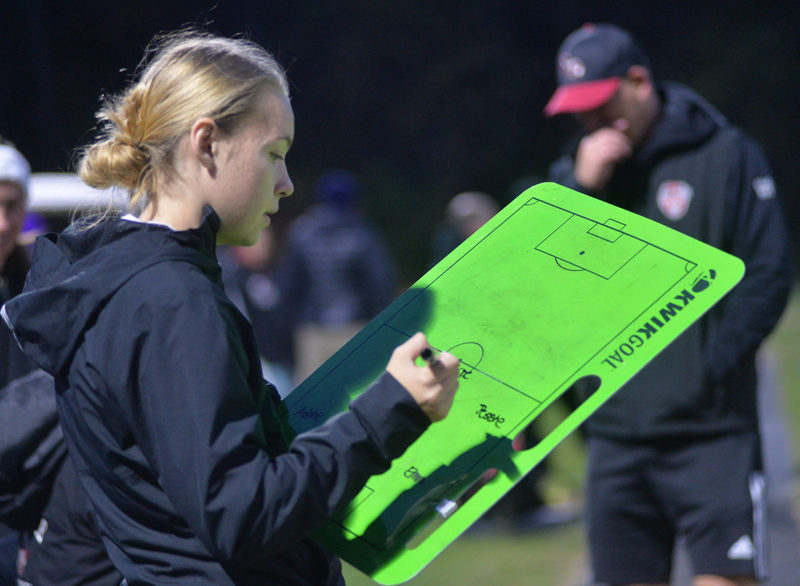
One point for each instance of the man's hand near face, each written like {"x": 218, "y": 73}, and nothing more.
{"x": 599, "y": 153}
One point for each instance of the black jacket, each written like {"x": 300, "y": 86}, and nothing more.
{"x": 65, "y": 549}
{"x": 13, "y": 363}
{"x": 174, "y": 434}
{"x": 702, "y": 176}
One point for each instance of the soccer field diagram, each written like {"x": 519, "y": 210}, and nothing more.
{"x": 558, "y": 290}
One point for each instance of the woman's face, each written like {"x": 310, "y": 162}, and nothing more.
{"x": 252, "y": 173}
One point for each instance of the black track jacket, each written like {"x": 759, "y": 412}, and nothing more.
{"x": 702, "y": 176}
{"x": 174, "y": 435}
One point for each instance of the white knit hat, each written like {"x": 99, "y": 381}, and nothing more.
{"x": 14, "y": 167}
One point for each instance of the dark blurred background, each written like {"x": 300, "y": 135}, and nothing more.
{"x": 421, "y": 99}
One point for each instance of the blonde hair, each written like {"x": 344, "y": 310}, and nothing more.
{"x": 190, "y": 75}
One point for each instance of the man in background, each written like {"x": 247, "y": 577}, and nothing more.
{"x": 14, "y": 178}
{"x": 676, "y": 452}
{"x": 14, "y": 264}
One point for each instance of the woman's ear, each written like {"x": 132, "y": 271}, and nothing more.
{"x": 202, "y": 138}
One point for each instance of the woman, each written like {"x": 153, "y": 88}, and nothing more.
{"x": 174, "y": 434}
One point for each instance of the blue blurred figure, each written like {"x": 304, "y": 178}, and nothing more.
{"x": 339, "y": 271}
{"x": 255, "y": 281}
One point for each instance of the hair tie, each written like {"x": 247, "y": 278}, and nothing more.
{"x": 134, "y": 144}
{"x": 142, "y": 149}
{"x": 139, "y": 147}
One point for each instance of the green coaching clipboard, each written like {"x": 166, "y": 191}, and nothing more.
{"x": 558, "y": 289}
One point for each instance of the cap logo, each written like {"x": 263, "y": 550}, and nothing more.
{"x": 572, "y": 67}
{"x": 764, "y": 187}
{"x": 673, "y": 199}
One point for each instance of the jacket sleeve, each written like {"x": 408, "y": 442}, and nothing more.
{"x": 755, "y": 231}
{"x": 199, "y": 425}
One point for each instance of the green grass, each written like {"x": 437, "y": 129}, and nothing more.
{"x": 555, "y": 557}
{"x": 545, "y": 558}
{"x": 784, "y": 346}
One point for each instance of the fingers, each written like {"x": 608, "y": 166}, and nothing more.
{"x": 445, "y": 361}
{"x": 432, "y": 386}
{"x": 621, "y": 124}
{"x": 608, "y": 144}
{"x": 599, "y": 153}
{"x": 446, "y": 372}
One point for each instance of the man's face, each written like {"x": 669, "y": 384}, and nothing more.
{"x": 628, "y": 104}
{"x": 12, "y": 214}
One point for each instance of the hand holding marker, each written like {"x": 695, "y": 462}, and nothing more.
{"x": 430, "y": 356}
{"x": 432, "y": 385}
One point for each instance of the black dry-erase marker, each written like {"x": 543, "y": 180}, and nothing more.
{"x": 430, "y": 356}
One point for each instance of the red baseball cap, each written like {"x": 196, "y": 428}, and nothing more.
{"x": 591, "y": 63}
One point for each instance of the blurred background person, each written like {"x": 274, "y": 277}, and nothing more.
{"x": 14, "y": 265}
{"x": 677, "y": 451}
{"x": 465, "y": 213}
{"x": 340, "y": 274}
{"x": 255, "y": 280}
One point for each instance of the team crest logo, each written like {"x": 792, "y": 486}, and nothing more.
{"x": 764, "y": 187}
{"x": 572, "y": 67}
{"x": 673, "y": 199}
